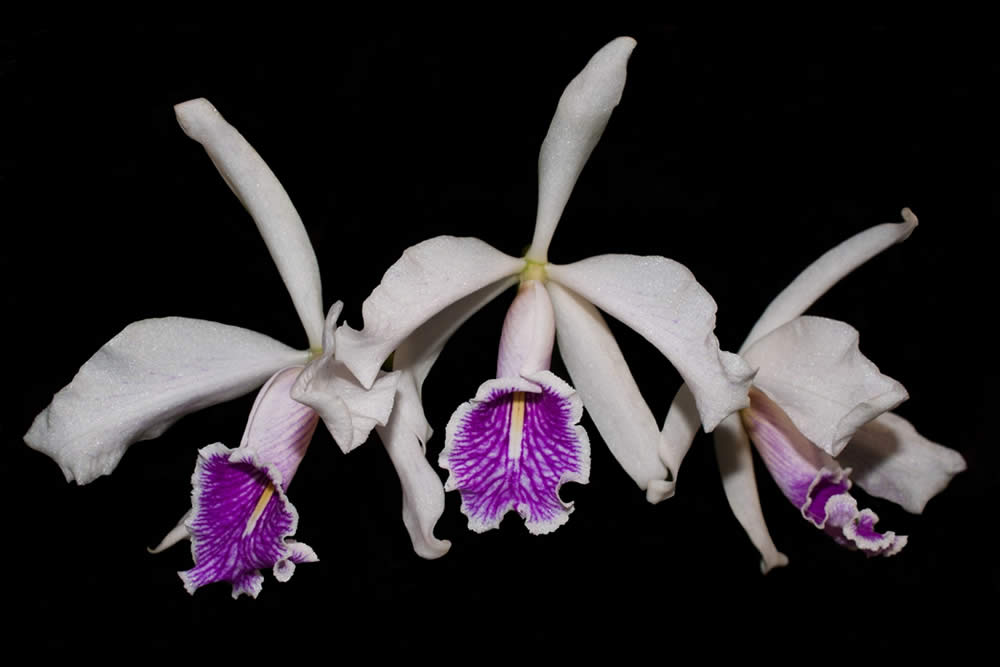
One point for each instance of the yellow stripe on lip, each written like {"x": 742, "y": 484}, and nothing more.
{"x": 259, "y": 509}
{"x": 516, "y": 431}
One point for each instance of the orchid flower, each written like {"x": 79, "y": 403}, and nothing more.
{"x": 515, "y": 444}
{"x": 819, "y": 416}
{"x": 155, "y": 371}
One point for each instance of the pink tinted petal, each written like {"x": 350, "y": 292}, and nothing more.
{"x": 240, "y": 522}
{"x": 512, "y": 448}
{"x": 529, "y": 333}
{"x": 280, "y": 428}
{"x": 813, "y": 481}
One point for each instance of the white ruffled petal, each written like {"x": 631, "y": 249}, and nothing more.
{"x": 826, "y": 271}
{"x": 891, "y": 460}
{"x": 812, "y": 368}
{"x": 404, "y": 437}
{"x": 663, "y": 302}
{"x": 258, "y": 189}
{"x": 428, "y": 278}
{"x": 604, "y": 382}
{"x": 732, "y": 448}
{"x": 349, "y": 411}
{"x": 142, "y": 381}
{"x": 579, "y": 121}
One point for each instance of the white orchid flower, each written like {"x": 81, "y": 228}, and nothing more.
{"x": 819, "y": 417}
{"x": 155, "y": 371}
{"x": 518, "y": 441}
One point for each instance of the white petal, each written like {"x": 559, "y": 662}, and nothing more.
{"x": 661, "y": 300}
{"x": 812, "y": 368}
{"x": 428, "y": 278}
{"x": 423, "y": 494}
{"x": 679, "y": 429}
{"x": 258, "y": 189}
{"x": 579, "y": 121}
{"x": 604, "y": 382}
{"x": 349, "y": 410}
{"x": 142, "y": 381}
{"x": 732, "y": 448}
{"x": 529, "y": 333}
{"x": 420, "y": 350}
{"x": 891, "y": 460}
{"x": 826, "y": 271}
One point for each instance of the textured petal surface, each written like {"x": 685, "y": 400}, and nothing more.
{"x": 428, "y": 278}
{"x": 349, "y": 410}
{"x": 662, "y": 301}
{"x": 241, "y": 521}
{"x": 732, "y": 447}
{"x": 258, "y": 189}
{"x": 280, "y": 428}
{"x": 529, "y": 333}
{"x": 826, "y": 271}
{"x": 679, "y": 429}
{"x": 512, "y": 447}
{"x": 813, "y": 369}
{"x": 579, "y": 121}
{"x": 891, "y": 460}
{"x": 812, "y": 481}
{"x": 601, "y": 376}
{"x": 404, "y": 437}
{"x": 144, "y": 379}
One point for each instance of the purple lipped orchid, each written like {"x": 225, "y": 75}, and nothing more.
{"x": 819, "y": 417}
{"x": 518, "y": 440}
{"x": 156, "y": 371}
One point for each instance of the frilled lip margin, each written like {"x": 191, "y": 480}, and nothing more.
{"x": 241, "y": 521}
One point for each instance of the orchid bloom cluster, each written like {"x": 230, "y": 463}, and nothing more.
{"x": 803, "y": 391}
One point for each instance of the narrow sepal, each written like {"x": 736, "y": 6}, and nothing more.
{"x": 661, "y": 300}
{"x": 601, "y": 376}
{"x": 405, "y": 436}
{"x": 259, "y": 190}
{"x": 581, "y": 116}
{"x": 827, "y": 271}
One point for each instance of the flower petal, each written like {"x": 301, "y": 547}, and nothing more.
{"x": 679, "y": 429}
{"x": 813, "y": 369}
{"x": 259, "y": 191}
{"x": 280, "y": 428}
{"x": 663, "y": 302}
{"x": 404, "y": 437}
{"x": 732, "y": 448}
{"x": 579, "y": 122}
{"x": 609, "y": 392}
{"x": 349, "y": 410}
{"x": 428, "y": 278}
{"x": 529, "y": 333}
{"x": 512, "y": 447}
{"x": 826, "y": 271}
{"x": 240, "y": 522}
{"x": 142, "y": 381}
{"x": 891, "y": 460}
{"x": 813, "y": 481}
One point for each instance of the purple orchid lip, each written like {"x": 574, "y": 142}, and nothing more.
{"x": 813, "y": 481}
{"x": 513, "y": 447}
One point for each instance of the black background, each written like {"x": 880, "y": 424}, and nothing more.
{"x": 742, "y": 153}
